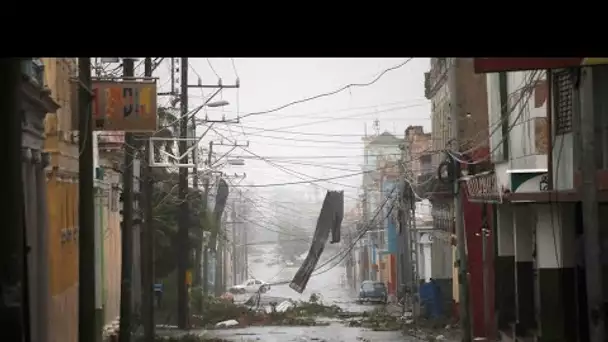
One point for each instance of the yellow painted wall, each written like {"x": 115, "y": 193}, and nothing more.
{"x": 62, "y": 195}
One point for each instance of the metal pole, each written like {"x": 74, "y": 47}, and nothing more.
{"x": 172, "y": 75}
{"x": 209, "y": 218}
{"x": 458, "y": 215}
{"x": 485, "y": 233}
{"x": 127, "y": 226}
{"x": 415, "y": 241}
{"x": 184, "y": 210}
{"x": 592, "y": 236}
{"x": 198, "y": 250}
{"x": 234, "y": 254}
{"x": 147, "y": 251}
{"x": 246, "y": 241}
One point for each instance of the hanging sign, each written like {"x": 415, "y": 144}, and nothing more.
{"x": 483, "y": 187}
{"x": 128, "y": 106}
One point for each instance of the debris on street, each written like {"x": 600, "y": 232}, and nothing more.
{"x": 218, "y": 313}
{"x": 227, "y": 324}
{"x": 433, "y": 330}
{"x": 377, "y": 320}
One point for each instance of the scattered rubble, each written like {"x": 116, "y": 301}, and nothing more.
{"x": 377, "y": 320}
{"x": 432, "y": 330}
{"x": 227, "y": 324}
{"x": 221, "y": 314}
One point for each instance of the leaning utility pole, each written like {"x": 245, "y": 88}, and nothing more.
{"x": 464, "y": 305}
{"x": 124, "y": 334}
{"x": 184, "y": 210}
{"x": 147, "y": 234}
{"x": 593, "y": 236}
{"x": 87, "y": 329}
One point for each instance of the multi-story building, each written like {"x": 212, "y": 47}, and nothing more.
{"x": 536, "y": 151}
{"x": 62, "y": 188}
{"x": 380, "y": 152}
{"x": 61, "y": 144}
{"x": 466, "y": 91}
{"x": 35, "y": 102}
{"x": 416, "y": 160}
{"x": 417, "y": 152}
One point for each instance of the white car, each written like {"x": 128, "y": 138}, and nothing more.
{"x": 251, "y": 286}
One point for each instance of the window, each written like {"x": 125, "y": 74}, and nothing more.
{"x": 563, "y": 92}
{"x": 379, "y": 286}
{"x": 367, "y": 286}
{"x": 257, "y": 282}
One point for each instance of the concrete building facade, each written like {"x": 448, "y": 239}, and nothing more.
{"x": 62, "y": 188}
{"x": 35, "y": 103}
{"x": 470, "y": 97}
{"x": 381, "y": 152}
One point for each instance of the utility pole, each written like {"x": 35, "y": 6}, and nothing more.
{"x": 485, "y": 234}
{"x": 219, "y": 257}
{"x": 173, "y": 75}
{"x": 184, "y": 210}
{"x": 147, "y": 234}
{"x": 405, "y": 197}
{"x": 206, "y": 206}
{"x": 593, "y": 236}
{"x": 245, "y": 240}
{"x": 127, "y": 197}
{"x": 87, "y": 329}
{"x": 234, "y": 253}
{"x": 415, "y": 246}
{"x": 196, "y": 272}
{"x": 464, "y": 304}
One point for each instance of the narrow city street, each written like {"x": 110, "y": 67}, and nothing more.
{"x": 330, "y": 290}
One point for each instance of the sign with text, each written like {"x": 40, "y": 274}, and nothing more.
{"x": 124, "y": 106}
{"x": 483, "y": 187}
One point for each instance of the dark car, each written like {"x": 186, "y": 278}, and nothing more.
{"x": 373, "y": 291}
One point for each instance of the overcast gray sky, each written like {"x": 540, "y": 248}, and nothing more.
{"x": 318, "y": 139}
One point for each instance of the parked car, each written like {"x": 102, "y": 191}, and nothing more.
{"x": 250, "y": 286}
{"x": 373, "y": 291}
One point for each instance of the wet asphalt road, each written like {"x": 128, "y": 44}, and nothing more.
{"x": 332, "y": 292}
